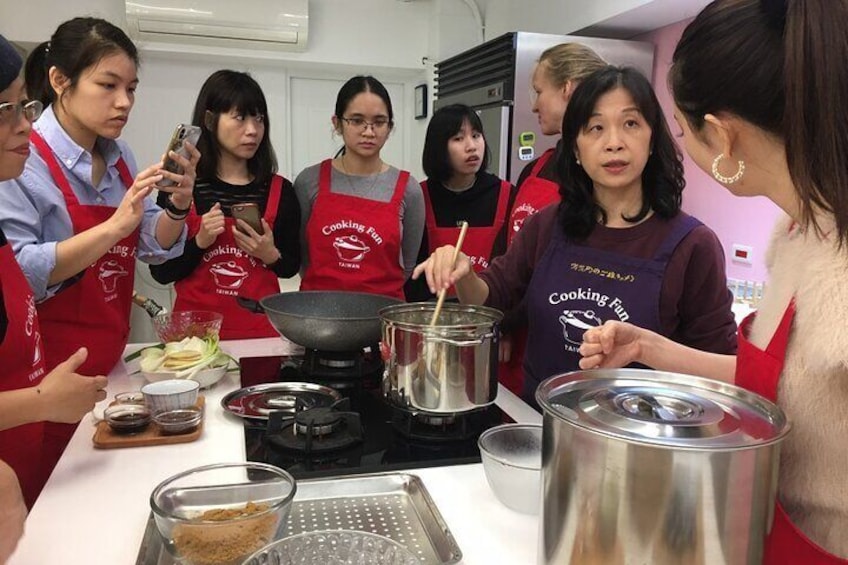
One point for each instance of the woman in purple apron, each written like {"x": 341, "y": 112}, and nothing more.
{"x": 616, "y": 248}
{"x": 759, "y": 88}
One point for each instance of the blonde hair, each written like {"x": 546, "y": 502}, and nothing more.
{"x": 570, "y": 61}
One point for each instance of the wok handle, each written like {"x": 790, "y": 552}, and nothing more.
{"x": 250, "y": 304}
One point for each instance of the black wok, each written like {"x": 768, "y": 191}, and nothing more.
{"x": 324, "y": 320}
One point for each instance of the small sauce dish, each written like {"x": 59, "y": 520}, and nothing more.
{"x": 127, "y": 418}
{"x": 179, "y": 421}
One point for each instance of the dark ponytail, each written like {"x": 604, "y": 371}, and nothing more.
{"x": 35, "y": 75}
{"x": 779, "y": 64}
{"x": 76, "y": 45}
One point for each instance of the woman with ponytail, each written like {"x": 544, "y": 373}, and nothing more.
{"x": 759, "y": 87}
{"x": 81, "y": 213}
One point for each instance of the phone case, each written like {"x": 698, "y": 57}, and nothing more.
{"x": 250, "y": 214}
{"x": 182, "y": 133}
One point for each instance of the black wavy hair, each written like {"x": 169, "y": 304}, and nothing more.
{"x": 445, "y": 123}
{"x": 662, "y": 178}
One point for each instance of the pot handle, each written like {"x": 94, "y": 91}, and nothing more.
{"x": 460, "y": 343}
{"x": 250, "y": 304}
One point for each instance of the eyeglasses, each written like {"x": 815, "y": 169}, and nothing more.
{"x": 378, "y": 125}
{"x": 11, "y": 113}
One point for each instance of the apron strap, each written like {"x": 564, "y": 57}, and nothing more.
{"x": 400, "y": 188}
{"x": 429, "y": 215}
{"x": 325, "y": 173}
{"x": 780, "y": 340}
{"x": 541, "y": 162}
{"x": 124, "y": 172}
{"x": 503, "y": 204}
{"x": 53, "y": 166}
{"x": 274, "y": 195}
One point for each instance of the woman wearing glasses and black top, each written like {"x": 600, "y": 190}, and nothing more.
{"x": 362, "y": 218}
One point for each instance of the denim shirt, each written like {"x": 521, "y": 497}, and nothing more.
{"x": 35, "y": 218}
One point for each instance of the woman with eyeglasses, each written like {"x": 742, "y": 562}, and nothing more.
{"x": 459, "y": 188}
{"x": 29, "y": 394}
{"x": 79, "y": 215}
{"x": 362, "y": 218}
{"x": 226, "y": 257}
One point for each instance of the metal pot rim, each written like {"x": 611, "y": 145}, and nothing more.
{"x": 492, "y": 315}
{"x": 757, "y": 410}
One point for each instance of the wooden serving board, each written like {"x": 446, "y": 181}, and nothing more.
{"x": 106, "y": 438}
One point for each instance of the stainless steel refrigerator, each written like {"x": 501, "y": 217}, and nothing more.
{"x": 495, "y": 78}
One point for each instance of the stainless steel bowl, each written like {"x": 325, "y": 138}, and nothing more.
{"x": 512, "y": 460}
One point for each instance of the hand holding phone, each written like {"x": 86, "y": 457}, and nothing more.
{"x": 182, "y": 133}
{"x": 249, "y": 212}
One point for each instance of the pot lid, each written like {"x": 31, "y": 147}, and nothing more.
{"x": 258, "y": 401}
{"x": 663, "y": 409}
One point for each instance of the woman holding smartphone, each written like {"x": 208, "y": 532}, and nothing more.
{"x": 244, "y": 226}
{"x": 28, "y": 393}
{"x": 362, "y": 218}
{"x": 458, "y": 188}
{"x": 77, "y": 218}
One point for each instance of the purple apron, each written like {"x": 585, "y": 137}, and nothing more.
{"x": 575, "y": 288}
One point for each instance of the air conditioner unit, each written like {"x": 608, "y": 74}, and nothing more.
{"x": 260, "y": 24}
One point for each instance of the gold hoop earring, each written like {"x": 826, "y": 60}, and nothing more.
{"x": 723, "y": 179}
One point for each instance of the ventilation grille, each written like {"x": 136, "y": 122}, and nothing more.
{"x": 491, "y": 62}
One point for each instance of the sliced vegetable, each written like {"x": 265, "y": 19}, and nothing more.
{"x": 184, "y": 358}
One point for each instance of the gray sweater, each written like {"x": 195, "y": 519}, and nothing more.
{"x": 379, "y": 189}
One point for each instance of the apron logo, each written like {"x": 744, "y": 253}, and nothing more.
{"x": 110, "y": 272}
{"x": 30, "y": 319}
{"x": 350, "y": 248}
{"x": 36, "y": 357}
{"x": 228, "y": 275}
{"x": 122, "y": 251}
{"x": 477, "y": 260}
{"x": 520, "y": 214}
{"x": 576, "y": 322}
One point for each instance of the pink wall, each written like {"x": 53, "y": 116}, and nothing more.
{"x": 745, "y": 221}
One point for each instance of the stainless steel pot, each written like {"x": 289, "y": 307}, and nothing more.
{"x": 447, "y": 369}
{"x": 646, "y": 467}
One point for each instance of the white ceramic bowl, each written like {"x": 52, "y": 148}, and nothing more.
{"x": 170, "y": 394}
{"x": 205, "y": 377}
{"x": 512, "y": 460}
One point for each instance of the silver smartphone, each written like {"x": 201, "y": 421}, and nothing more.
{"x": 182, "y": 133}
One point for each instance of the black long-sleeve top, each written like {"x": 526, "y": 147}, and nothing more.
{"x": 286, "y": 227}
{"x": 477, "y": 206}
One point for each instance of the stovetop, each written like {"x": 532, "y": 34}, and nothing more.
{"x": 385, "y": 444}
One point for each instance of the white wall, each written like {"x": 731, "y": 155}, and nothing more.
{"x": 550, "y": 16}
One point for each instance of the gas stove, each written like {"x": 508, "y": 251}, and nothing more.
{"x": 358, "y": 433}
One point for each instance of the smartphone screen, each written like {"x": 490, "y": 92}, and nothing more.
{"x": 249, "y": 212}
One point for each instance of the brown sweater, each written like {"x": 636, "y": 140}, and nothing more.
{"x": 695, "y": 301}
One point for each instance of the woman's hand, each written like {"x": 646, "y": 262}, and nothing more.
{"x": 440, "y": 271}
{"x": 260, "y": 246}
{"x": 211, "y": 226}
{"x": 130, "y": 211}
{"x": 612, "y": 345}
{"x": 183, "y": 188}
{"x": 68, "y": 396}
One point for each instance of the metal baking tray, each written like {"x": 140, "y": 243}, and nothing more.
{"x": 395, "y": 505}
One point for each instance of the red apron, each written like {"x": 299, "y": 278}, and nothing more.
{"x": 534, "y": 194}
{"x": 226, "y": 271}
{"x": 354, "y": 243}
{"x": 759, "y": 371}
{"x": 93, "y": 312}
{"x": 479, "y": 240}
{"x": 22, "y": 359}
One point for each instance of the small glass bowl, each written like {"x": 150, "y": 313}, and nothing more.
{"x": 180, "y": 421}
{"x": 127, "y": 418}
{"x": 131, "y": 397}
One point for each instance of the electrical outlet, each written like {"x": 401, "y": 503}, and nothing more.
{"x": 741, "y": 253}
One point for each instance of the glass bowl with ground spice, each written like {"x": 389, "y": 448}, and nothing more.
{"x": 221, "y": 514}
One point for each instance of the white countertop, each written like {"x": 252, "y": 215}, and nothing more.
{"x": 95, "y": 507}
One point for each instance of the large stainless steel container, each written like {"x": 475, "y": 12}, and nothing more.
{"x": 448, "y": 369}
{"x": 645, "y": 467}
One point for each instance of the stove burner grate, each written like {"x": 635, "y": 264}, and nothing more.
{"x": 315, "y": 430}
